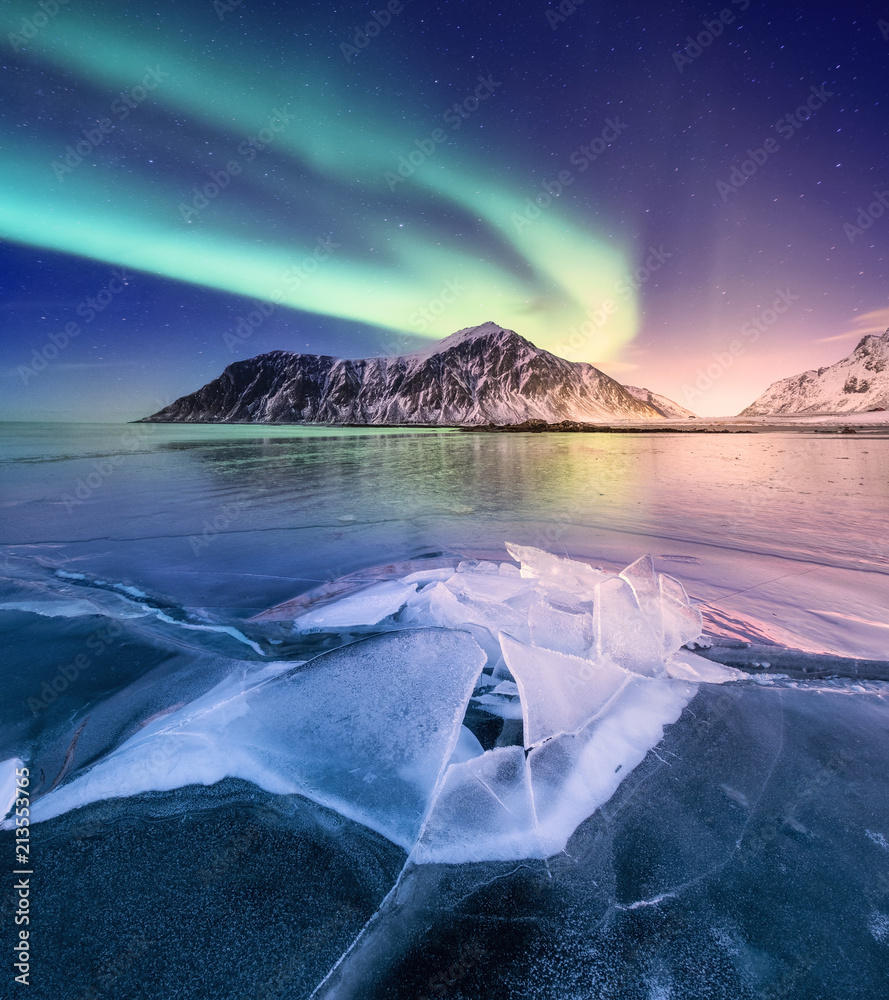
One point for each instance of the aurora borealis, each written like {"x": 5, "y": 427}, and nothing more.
{"x": 364, "y": 190}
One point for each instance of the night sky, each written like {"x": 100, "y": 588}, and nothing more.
{"x": 690, "y": 208}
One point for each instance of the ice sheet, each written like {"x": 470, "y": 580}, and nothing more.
{"x": 366, "y": 607}
{"x": 56, "y": 598}
{"x": 354, "y": 729}
{"x": 588, "y": 661}
{"x": 71, "y": 608}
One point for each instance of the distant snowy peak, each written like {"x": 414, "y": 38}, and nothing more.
{"x": 480, "y": 375}
{"x": 489, "y": 334}
{"x": 666, "y": 407}
{"x": 856, "y": 384}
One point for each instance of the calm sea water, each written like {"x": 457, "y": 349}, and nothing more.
{"x": 742, "y": 862}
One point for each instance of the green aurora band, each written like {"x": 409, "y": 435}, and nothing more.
{"x": 545, "y": 278}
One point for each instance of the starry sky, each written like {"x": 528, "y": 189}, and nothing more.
{"x": 685, "y": 195}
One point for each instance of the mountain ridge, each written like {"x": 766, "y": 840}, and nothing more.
{"x": 854, "y": 384}
{"x": 668, "y": 407}
{"x": 479, "y": 375}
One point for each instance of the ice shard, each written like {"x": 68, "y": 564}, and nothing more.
{"x": 483, "y": 812}
{"x": 574, "y": 581}
{"x": 682, "y": 621}
{"x": 673, "y": 619}
{"x": 559, "y": 692}
{"x": 366, "y": 607}
{"x": 567, "y": 632}
{"x": 486, "y": 586}
{"x": 440, "y": 605}
{"x": 624, "y": 633}
{"x": 641, "y": 577}
{"x": 467, "y": 747}
{"x": 589, "y": 663}
{"x": 366, "y": 729}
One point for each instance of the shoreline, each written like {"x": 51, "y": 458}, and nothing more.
{"x": 832, "y": 424}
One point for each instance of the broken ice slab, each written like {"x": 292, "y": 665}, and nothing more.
{"x": 508, "y": 805}
{"x": 375, "y": 730}
{"x": 478, "y": 566}
{"x": 484, "y": 811}
{"x": 503, "y": 701}
{"x": 424, "y": 576}
{"x": 366, "y": 729}
{"x": 674, "y": 620}
{"x": 503, "y": 708}
{"x": 641, "y": 577}
{"x": 623, "y": 631}
{"x": 467, "y": 747}
{"x": 487, "y": 586}
{"x": 687, "y": 666}
{"x": 572, "y": 776}
{"x": 439, "y": 605}
{"x": 353, "y": 582}
{"x": 366, "y": 607}
{"x": 564, "y": 631}
{"x": 573, "y": 581}
{"x": 682, "y": 621}
{"x": 559, "y": 692}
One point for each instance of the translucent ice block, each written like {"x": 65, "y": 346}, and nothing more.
{"x": 559, "y": 693}
{"x": 623, "y": 631}
{"x": 567, "y": 632}
{"x": 483, "y": 812}
{"x": 366, "y": 729}
{"x": 573, "y": 579}
{"x": 366, "y": 607}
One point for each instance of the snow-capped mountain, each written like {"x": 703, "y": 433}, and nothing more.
{"x": 666, "y": 407}
{"x": 480, "y": 375}
{"x": 856, "y": 384}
